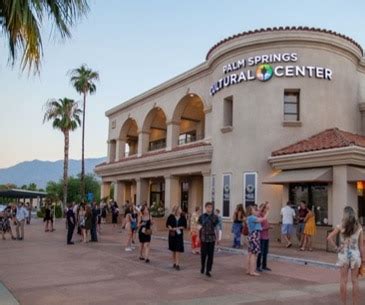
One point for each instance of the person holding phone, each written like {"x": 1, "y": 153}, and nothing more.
{"x": 176, "y": 223}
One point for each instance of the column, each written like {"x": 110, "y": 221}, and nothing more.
{"x": 362, "y": 111}
{"x": 207, "y": 184}
{"x": 111, "y": 151}
{"x": 172, "y": 137}
{"x": 172, "y": 192}
{"x": 105, "y": 189}
{"x": 120, "y": 149}
{"x": 143, "y": 142}
{"x": 208, "y": 122}
{"x": 142, "y": 190}
{"x": 119, "y": 192}
{"x": 196, "y": 192}
{"x": 343, "y": 193}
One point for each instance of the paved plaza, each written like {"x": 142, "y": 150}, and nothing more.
{"x": 42, "y": 270}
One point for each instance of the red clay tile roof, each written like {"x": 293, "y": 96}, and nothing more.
{"x": 281, "y": 28}
{"x": 328, "y": 139}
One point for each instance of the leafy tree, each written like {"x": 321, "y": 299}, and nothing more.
{"x": 22, "y": 22}
{"x": 32, "y": 187}
{"x": 65, "y": 116}
{"x": 83, "y": 80}
{"x": 55, "y": 189}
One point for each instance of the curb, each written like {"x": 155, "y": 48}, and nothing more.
{"x": 274, "y": 257}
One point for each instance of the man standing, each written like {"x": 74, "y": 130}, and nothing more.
{"x": 29, "y": 207}
{"x": 288, "y": 215}
{"x": 21, "y": 216}
{"x": 207, "y": 222}
{"x": 94, "y": 221}
{"x": 302, "y": 213}
{"x": 71, "y": 222}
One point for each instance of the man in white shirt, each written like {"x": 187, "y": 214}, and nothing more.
{"x": 21, "y": 216}
{"x": 288, "y": 215}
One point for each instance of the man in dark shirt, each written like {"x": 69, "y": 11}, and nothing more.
{"x": 302, "y": 213}
{"x": 71, "y": 222}
{"x": 207, "y": 221}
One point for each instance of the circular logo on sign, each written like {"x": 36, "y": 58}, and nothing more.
{"x": 250, "y": 188}
{"x": 264, "y": 72}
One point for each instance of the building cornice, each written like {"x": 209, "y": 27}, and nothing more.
{"x": 352, "y": 155}
{"x": 166, "y": 159}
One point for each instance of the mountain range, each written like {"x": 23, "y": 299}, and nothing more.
{"x": 40, "y": 172}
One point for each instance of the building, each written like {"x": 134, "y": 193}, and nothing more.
{"x": 274, "y": 114}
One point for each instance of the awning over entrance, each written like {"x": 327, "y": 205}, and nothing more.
{"x": 19, "y": 193}
{"x": 355, "y": 174}
{"x": 301, "y": 175}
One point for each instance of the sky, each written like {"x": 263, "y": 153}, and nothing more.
{"x": 135, "y": 45}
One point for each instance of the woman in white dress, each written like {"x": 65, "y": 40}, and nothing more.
{"x": 350, "y": 252}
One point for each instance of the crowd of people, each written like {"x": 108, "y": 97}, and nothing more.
{"x": 250, "y": 226}
{"x": 15, "y": 215}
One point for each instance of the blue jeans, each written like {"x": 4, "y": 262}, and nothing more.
{"x": 237, "y": 231}
{"x": 262, "y": 257}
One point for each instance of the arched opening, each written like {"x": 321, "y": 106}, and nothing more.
{"x": 155, "y": 126}
{"x": 129, "y": 137}
{"x": 189, "y": 114}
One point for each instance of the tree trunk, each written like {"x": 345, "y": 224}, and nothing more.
{"x": 65, "y": 169}
{"x": 82, "y": 178}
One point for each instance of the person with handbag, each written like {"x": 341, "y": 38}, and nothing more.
{"x": 350, "y": 251}
{"x": 176, "y": 223}
{"x": 144, "y": 233}
{"x": 208, "y": 222}
{"x": 238, "y": 218}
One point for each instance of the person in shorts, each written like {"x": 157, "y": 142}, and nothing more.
{"x": 288, "y": 215}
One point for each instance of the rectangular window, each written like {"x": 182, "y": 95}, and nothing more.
{"x": 226, "y": 195}
{"x": 316, "y": 197}
{"x": 228, "y": 112}
{"x": 291, "y": 105}
{"x": 188, "y": 137}
{"x": 249, "y": 188}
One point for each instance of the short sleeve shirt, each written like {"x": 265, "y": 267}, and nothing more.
{"x": 288, "y": 215}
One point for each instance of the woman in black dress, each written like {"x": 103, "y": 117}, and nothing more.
{"x": 144, "y": 233}
{"x": 176, "y": 223}
{"x": 115, "y": 213}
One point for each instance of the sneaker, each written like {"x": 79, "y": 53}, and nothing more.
{"x": 147, "y": 260}
{"x": 71, "y": 243}
{"x": 266, "y": 269}
{"x": 128, "y": 249}
{"x": 208, "y": 274}
{"x": 141, "y": 258}
{"x": 177, "y": 267}
{"x": 202, "y": 270}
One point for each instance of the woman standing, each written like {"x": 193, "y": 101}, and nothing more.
{"x": 81, "y": 218}
{"x": 194, "y": 231}
{"x": 264, "y": 239}
{"x": 238, "y": 218}
{"x": 144, "y": 233}
{"x": 115, "y": 213}
{"x": 309, "y": 231}
{"x": 130, "y": 225}
{"x": 88, "y": 222}
{"x": 48, "y": 219}
{"x": 350, "y": 252}
{"x": 176, "y": 223}
{"x": 254, "y": 229}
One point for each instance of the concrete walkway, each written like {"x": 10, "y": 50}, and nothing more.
{"x": 42, "y": 270}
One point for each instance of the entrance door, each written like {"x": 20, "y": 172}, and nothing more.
{"x": 185, "y": 196}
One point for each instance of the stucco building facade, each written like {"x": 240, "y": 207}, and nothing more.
{"x": 270, "y": 115}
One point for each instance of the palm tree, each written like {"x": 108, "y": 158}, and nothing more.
{"x": 22, "y": 23}
{"x": 65, "y": 116}
{"x": 83, "y": 80}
